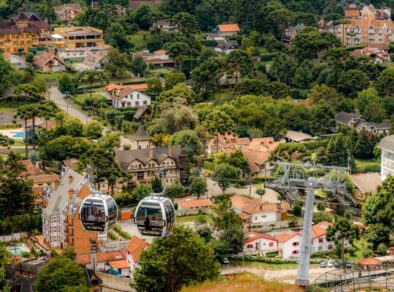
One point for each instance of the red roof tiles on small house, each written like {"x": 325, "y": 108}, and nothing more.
{"x": 195, "y": 203}
{"x": 369, "y": 262}
{"x": 252, "y": 236}
{"x": 120, "y": 264}
{"x": 231, "y": 27}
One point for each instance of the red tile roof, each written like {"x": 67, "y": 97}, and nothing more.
{"x": 252, "y": 236}
{"x": 195, "y": 203}
{"x": 286, "y": 235}
{"x": 369, "y": 262}
{"x": 31, "y": 169}
{"x": 120, "y": 264}
{"x": 231, "y": 27}
{"x": 136, "y": 247}
{"x": 43, "y": 178}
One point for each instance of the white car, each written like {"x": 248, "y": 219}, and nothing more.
{"x": 330, "y": 263}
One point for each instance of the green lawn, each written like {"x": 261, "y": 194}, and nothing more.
{"x": 49, "y": 76}
{"x": 159, "y": 71}
{"x": 7, "y": 109}
{"x": 139, "y": 39}
{"x": 370, "y": 165}
{"x": 193, "y": 218}
{"x": 80, "y": 98}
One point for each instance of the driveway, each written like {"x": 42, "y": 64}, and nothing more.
{"x": 59, "y": 99}
{"x": 270, "y": 196}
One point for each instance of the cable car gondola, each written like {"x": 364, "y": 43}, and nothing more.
{"x": 155, "y": 216}
{"x": 98, "y": 212}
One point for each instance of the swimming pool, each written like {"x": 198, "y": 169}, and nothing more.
{"x": 18, "y": 248}
{"x": 18, "y": 135}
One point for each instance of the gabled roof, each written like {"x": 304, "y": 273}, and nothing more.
{"x": 286, "y": 235}
{"x": 298, "y": 136}
{"x": 387, "y": 143}
{"x": 61, "y": 8}
{"x": 195, "y": 203}
{"x": 119, "y": 264}
{"x": 367, "y": 182}
{"x": 125, "y": 157}
{"x": 230, "y": 27}
{"x": 136, "y": 247}
{"x": 252, "y": 236}
{"x": 23, "y": 16}
{"x": 141, "y": 110}
{"x": 45, "y": 58}
{"x": 141, "y": 134}
{"x": 369, "y": 262}
{"x": 345, "y": 118}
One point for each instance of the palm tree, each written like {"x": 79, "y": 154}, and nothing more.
{"x": 91, "y": 77}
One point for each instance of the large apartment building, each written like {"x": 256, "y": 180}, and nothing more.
{"x": 22, "y": 32}
{"x": 365, "y": 25}
{"x": 387, "y": 157}
{"x": 77, "y": 41}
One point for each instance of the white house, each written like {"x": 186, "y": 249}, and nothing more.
{"x": 256, "y": 242}
{"x": 129, "y": 97}
{"x": 289, "y": 241}
{"x": 16, "y": 61}
{"x": 387, "y": 161}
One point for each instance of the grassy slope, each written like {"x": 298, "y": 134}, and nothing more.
{"x": 241, "y": 283}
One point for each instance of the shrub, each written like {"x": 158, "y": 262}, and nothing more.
{"x": 112, "y": 235}
{"x": 121, "y": 232}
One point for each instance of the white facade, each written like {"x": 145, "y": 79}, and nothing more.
{"x": 290, "y": 248}
{"x": 135, "y": 98}
{"x": 387, "y": 164}
{"x": 261, "y": 245}
{"x": 263, "y": 217}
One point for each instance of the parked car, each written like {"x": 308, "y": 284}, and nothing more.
{"x": 348, "y": 264}
{"x": 323, "y": 264}
{"x": 225, "y": 261}
{"x": 337, "y": 264}
{"x": 330, "y": 263}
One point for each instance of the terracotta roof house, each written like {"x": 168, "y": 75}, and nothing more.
{"x": 67, "y": 12}
{"x": 194, "y": 204}
{"x": 259, "y": 243}
{"x": 114, "y": 89}
{"x": 48, "y": 62}
{"x": 369, "y": 264}
{"x": 129, "y": 97}
{"x": 289, "y": 241}
{"x": 227, "y": 30}
{"x": 366, "y": 184}
{"x": 93, "y": 61}
{"x": 256, "y": 212}
{"x": 229, "y": 141}
{"x": 124, "y": 259}
{"x": 378, "y": 52}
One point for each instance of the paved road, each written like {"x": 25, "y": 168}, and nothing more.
{"x": 68, "y": 107}
{"x": 58, "y": 97}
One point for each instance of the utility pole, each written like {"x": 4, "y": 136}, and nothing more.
{"x": 306, "y": 244}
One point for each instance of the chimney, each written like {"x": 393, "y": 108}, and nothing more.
{"x": 70, "y": 179}
{"x": 70, "y": 194}
{"x": 151, "y": 153}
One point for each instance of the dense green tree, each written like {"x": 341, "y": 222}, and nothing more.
{"x": 5, "y": 260}
{"x": 310, "y": 42}
{"x": 61, "y": 274}
{"x": 109, "y": 141}
{"x": 352, "y": 81}
{"x": 65, "y": 147}
{"x": 237, "y": 159}
{"x": 224, "y": 174}
{"x": 116, "y": 64}
{"x": 15, "y": 190}
{"x": 174, "y": 190}
{"x": 172, "y": 262}
{"x": 198, "y": 187}
{"x": 207, "y": 75}
{"x": 67, "y": 83}
{"x": 157, "y": 186}
{"x": 73, "y": 127}
{"x": 93, "y": 129}
{"x": 28, "y": 92}
{"x": 239, "y": 64}
{"x": 377, "y": 234}
{"x": 342, "y": 230}
{"x": 363, "y": 148}
{"x": 185, "y": 23}
{"x": 143, "y": 16}
{"x": 283, "y": 68}
{"x": 379, "y": 207}
{"x": 180, "y": 93}
{"x": 339, "y": 150}
{"x": 249, "y": 86}
{"x": 385, "y": 83}
{"x": 188, "y": 141}
{"x": 90, "y": 78}
{"x": 218, "y": 122}
{"x": 5, "y": 70}
{"x": 154, "y": 86}
{"x": 138, "y": 65}
{"x": 142, "y": 191}
{"x": 322, "y": 216}
{"x": 173, "y": 78}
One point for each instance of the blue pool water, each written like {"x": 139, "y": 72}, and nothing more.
{"x": 19, "y": 135}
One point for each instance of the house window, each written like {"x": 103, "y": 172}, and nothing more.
{"x": 296, "y": 243}
{"x": 321, "y": 239}
{"x": 294, "y": 252}
{"x": 320, "y": 248}
{"x": 330, "y": 247}
{"x": 249, "y": 246}
{"x": 263, "y": 216}
{"x": 145, "y": 102}
{"x": 140, "y": 175}
{"x": 255, "y": 217}
{"x": 137, "y": 103}
{"x": 271, "y": 244}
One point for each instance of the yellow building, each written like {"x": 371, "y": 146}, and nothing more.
{"x": 77, "y": 41}
{"x": 24, "y": 31}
